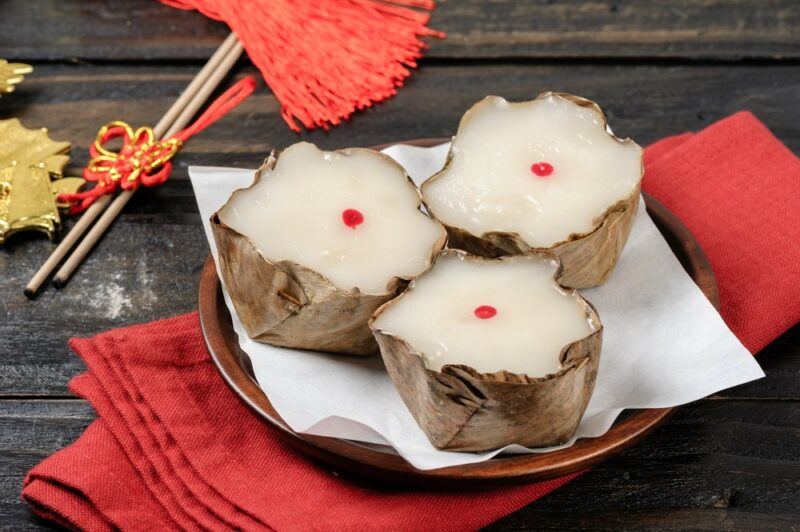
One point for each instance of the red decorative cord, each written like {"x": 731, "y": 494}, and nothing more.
{"x": 326, "y": 59}
{"x": 144, "y": 160}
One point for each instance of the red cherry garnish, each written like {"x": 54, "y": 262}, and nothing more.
{"x": 484, "y": 312}
{"x": 352, "y": 218}
{"x": 542, "y": 169}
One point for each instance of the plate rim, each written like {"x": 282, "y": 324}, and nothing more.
{"x": 366, "y": 461}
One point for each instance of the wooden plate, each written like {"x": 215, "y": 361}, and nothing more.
{"x": 382, "y": 462}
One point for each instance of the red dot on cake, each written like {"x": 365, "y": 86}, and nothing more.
{"x": 352, "y": 218}
{"x": 542, "y": 169}
{"x": 485, "y": 312}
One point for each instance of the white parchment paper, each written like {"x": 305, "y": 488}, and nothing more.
{"x": 663, "y": 345}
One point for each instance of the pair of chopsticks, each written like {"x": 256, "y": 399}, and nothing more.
{"x": 175, "y": 119}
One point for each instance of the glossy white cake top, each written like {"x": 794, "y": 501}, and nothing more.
{"x": 489, "y": 315}
{"x": 353, "y": 217}
{"x": 543, "y": 169}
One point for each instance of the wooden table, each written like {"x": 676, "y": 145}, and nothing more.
{"x": 731, "y": 461}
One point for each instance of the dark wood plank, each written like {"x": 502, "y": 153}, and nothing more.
{"x": 715, "y": 466}
{"x": 781, "y": 362}
{"x": 103, "y": 30}
{"x": 643, "y": 101}
{"x": 647, "y": 520}
{"x": 29, "y": 432}
{"x": 707, "y": 29}
{"x": 141, "y": 272}
{"x": 729, "y": 465}
{"x": 148, "y": 266}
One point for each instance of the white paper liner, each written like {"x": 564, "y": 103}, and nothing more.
{"x": 663, "y": 345}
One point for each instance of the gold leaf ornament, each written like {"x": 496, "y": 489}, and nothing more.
{"x": 29, "y": 160}
{"x": 11, "y": 74}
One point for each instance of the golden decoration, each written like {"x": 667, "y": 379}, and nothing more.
{"x": 11, "y": 74}
{"x": 141, "y": 153}
{"x": 28, "y": 161}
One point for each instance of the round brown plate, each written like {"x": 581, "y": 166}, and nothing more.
{"x": 382, "y": 462}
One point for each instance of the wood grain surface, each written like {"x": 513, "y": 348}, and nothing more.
{"x": 116, "y": 30}
{"x": 728, "y": 462}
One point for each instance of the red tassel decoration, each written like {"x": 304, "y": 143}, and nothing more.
{"x": 325, "y": 59}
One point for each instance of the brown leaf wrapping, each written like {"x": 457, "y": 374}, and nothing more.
{"x": 588, "y": 259}
{"x": 289, "y": 305}
{"x": 460, "y": 409}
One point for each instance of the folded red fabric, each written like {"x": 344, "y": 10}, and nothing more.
{"x": 173, "y": 447}
{"x": 737, "y": 189}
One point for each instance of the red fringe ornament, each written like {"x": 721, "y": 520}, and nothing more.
{"x": 325, "y": 59}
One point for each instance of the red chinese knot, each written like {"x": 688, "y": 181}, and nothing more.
{"x": 143, "y": 159}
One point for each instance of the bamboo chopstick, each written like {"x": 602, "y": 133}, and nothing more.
{"x": 66, "y": 244}
{"x": 188, "y": 94}
{"x": 219, "y": 61}
{"x": 91, "y": 238}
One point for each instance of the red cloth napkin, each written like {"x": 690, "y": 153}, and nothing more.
{"x": 737, "y": 189}
{"x": 174, "y": 447}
